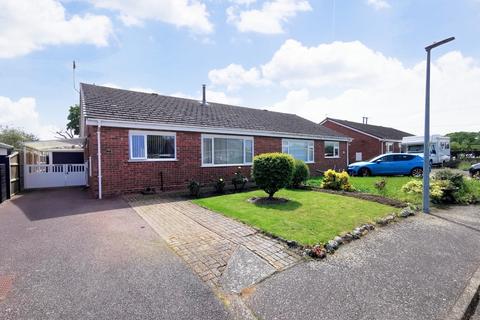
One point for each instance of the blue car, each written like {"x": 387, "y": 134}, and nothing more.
{"x": 390, "y": 164}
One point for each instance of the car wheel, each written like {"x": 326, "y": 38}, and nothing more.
{"x": 364, "y": 172}
{"x": 417, "y": 172}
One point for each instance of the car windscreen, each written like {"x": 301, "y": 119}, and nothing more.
{"x": 376, "y": 158}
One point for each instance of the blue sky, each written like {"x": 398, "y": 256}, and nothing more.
{"x": 344, "y": 59}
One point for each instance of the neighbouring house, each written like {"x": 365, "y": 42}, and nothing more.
{"x": 136, "y": 140}
{"x": 368, "y": 140}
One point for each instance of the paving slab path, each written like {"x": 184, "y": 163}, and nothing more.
{"x": 207, "y": 240}
{"x": 416, "y": 269}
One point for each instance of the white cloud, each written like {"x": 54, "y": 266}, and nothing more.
{"x": 378, "y": 4}
{"x": 243, "y": 2}
{"x": 191, "y": 14}
{"x": 26, "y": 26}
{"x": 337, "y": 63}
{"x": 23, "y": 114}
{"x": 212, "y": 96}
{"x": 268, "y": 19}
{"x": 348, "y": 80}
{"x": 234, "y": 76}
{"x": 139, "y": 89}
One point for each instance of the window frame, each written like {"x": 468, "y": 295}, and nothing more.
{"x": 224, "y": 136}
{"x": 308, "y": 147}
{"x": 389, "y": 144}
{"x": 145, "y": 158}
{"x": 336, "y": 145}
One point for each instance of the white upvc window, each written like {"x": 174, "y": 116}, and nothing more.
{"x": 299, "y": 149}
{"x": 225, "y": 150}
{"x": 389, "y": 147}
{"x": 332, "y": 149}
{"x": 152, "y": 146}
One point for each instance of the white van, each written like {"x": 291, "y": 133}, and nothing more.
{"x": 439, "y": 147}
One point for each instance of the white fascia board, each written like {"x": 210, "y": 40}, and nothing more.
{"x": 176, "y": 127}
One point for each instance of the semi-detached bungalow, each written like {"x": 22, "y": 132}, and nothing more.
{"x": 136, "y": 140}
{"x": 368, "y": 140}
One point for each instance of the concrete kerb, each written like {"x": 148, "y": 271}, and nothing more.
{"x": 467, "y": 302}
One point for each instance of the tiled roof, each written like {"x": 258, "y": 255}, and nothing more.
{"x": 377, "y": 131}
{"x": 124, "y": 105}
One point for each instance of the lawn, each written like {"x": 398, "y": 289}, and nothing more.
{"x": 308, "y": 217}
{"x": 393, "y": 188}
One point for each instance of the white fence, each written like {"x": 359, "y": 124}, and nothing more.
{"x": 55, "y": 175}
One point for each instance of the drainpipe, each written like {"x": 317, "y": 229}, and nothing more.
{"x": 99, "y": 160}
{"x": 348, "y": 154}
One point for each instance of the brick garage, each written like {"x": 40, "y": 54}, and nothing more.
{"x": 120, "y": 175}
{"x": 369, "y": 140}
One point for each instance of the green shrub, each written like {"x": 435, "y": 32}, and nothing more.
{"x": 194, "y": 188}
{"x": 300, "y": 173}
{"x": 239, "y": 180}
{"x": 381, "y": 185}
{"x": 413, "y": 187}
{"x": 464, "y": 165}
{"x": 220, "y": 186}
{"x": 446, "y": 187}
{"x": 272, "y": 171}
{"x": 436, "y": 189}
{"x": 453, "y": 186}
{"x": 337, "y": 181}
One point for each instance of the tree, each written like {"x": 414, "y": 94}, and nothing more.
{"x": 74, "y": 119}
{"x": 272, "y": 171}
{"x": 73, "y": 124}
{"x": 15, "y": 136}
{"x": 464, "y": 141}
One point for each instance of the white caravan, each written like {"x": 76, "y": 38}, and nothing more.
{"x": 439, "y": 147}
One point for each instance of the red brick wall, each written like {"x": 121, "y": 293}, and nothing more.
{"x": 119, "y": 175}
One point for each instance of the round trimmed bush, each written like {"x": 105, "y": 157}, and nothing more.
{"x": 300, "y": 173}
{"x": 272, "y": 171}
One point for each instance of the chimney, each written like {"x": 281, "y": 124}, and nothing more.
{"x": 204, "y": 95}
{"x": 365, "y": 120}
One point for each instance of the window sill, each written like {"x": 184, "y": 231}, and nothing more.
{"x": 151, "y": 160}
{"x": 332, "y": 157}
{"x": 225, "y": 165}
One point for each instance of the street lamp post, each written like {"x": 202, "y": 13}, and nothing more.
{"x": 426, "y": 142}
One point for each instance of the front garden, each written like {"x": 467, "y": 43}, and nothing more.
{"x": 308, "y": 217}
{"x": 289, "y": 206}
{"x": 408, "y": 189}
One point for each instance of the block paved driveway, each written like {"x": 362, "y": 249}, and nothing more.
{"x": 65, "y": 256}
{"x": 206, "y": 240}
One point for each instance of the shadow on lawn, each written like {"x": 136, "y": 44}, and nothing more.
{"x": 285, "y": 206}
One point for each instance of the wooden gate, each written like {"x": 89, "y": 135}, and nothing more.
{"x": 9, "y": 175}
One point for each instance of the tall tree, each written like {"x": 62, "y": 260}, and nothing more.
{"x": 15, "y": 136}
{"x": 74, "y": 119}
{"x": 464, "y": 141}
{"x": 73, "y": 124}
